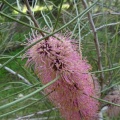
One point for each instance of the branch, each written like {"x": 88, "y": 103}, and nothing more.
{"x": 32, "y": 16}
{"x": 106, "y": 25}
{"x": 103, "y": 13}
{"x": 37, "y": 113}
{"x": 10, "y": 5}
{"x": 18, "y": 75}
{"x": 101, "y": 27}
{"x": 96, "y": 42}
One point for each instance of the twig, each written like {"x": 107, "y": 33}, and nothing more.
{"x": 106, "y": 25}
{"x": 15, "y": 73}
{"x": 10, "y": 5}
{"x": 1, "y": 6}
{"x": 9, "y": 37}
{"x": 96, "y": 42}
{"x": 103, "y": 13}
{"x": 37, "y": 113}
{"x": 107, "y": 13}
{"x": 101, "y": 27}
{"x": 105, "y": 6}
{"x": 32, "y": 16}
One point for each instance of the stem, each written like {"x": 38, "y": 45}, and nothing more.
{"x": 29, "y": 95}
{"x": 20, "y": 92}
{"x": 21, "y": 108}
{"x": 101, "y": 27}
{"x": 106, "y": 70}
{"x": 23, "y": 23}
{"x": 13, "y": 7}
{"x": 96, "y": 41}
{"x": 106, "y": 25}
{"x": 32, "y": 16}
{"x": 58, "y": 14}
{"x": 105, "y": 101}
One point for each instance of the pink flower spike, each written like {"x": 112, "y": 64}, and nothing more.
{"x": 72, "y": 92}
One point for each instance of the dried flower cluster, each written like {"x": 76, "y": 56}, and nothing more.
{"x": 72, "y": 92}
{"x": 114, "y": 97}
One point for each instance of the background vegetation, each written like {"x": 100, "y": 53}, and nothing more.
{"x": 94, "y": 25}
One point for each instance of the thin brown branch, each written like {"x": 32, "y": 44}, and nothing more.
{"x": 32, "y": 16}
{"x": 96, "y": 41}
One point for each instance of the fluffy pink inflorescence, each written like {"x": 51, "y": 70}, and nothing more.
{"x": 72, "y": 92}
